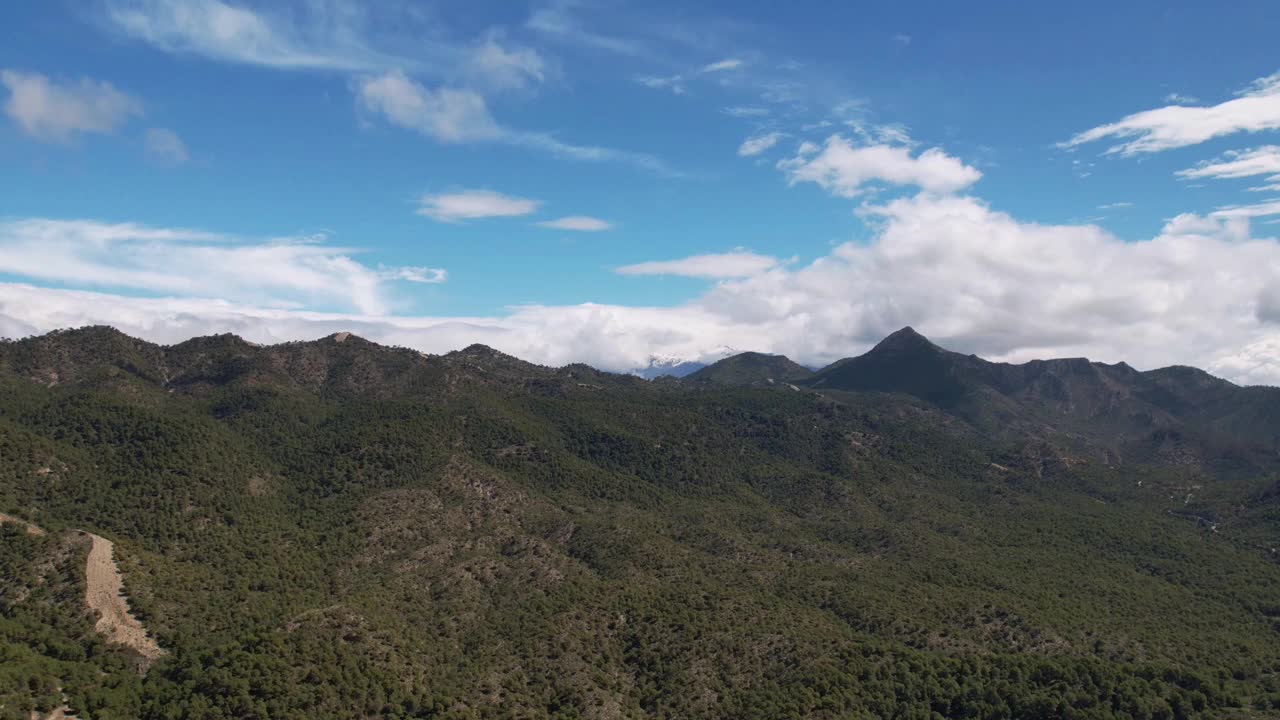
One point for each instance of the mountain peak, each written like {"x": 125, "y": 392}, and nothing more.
{"x": 484, "y": 355}
{"x": 906, "y": 339}
{"x": 749, "y": 368}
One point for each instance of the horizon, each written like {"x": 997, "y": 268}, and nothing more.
{"x": 344, "y": 335}
{"x": 611, "y": 182}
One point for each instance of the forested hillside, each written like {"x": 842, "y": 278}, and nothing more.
{"x": 340, "y": 529}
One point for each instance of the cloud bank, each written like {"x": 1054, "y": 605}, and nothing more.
{"x": 1204, "y": 292}
{"x": 291, "y": 272}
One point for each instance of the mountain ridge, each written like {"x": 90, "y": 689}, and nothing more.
{"x": 1109, "y": 412}
{"x": 335, "y": 528}
{"x": 907, "y": 336}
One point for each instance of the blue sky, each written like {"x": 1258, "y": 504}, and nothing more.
{"x": 607, "y": 181}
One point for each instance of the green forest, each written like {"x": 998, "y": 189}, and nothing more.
{"x": 338, "y": 529}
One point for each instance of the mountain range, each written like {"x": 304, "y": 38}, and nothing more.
{"x": 336, "y": 528}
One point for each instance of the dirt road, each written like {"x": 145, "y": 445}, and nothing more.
{"x": 104, "y": 592}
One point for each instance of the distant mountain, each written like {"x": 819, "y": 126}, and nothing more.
{"x": 751, "y": 368}
{"x": 668, "y": 367}
{"x": 1121, "y": 412}
{"x": 676, "y": 365}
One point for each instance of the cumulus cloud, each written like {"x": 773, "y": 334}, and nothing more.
{"x": 165, "y": 147}
{"x": 445, "y": 114}
{"x": 282, "y": 272}
{"x": 846, "y": 170}
{"x": 1256, "y": 108}
{"x": 474, "y": 205}
{"x": 1204, "y": 291}
{"x": 578, "y": 223}
{"x": 1257, "y": 363}
{"x": 980, "y": 281}
{"x": 49, "y": 110}
{"x": 736, "y": 264}
{"x": 755, "y": 145}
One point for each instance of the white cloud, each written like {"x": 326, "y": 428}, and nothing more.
{"x": 902, "y": 39}
{"x": 1180, "y": 99}
{"x": 1263, "y": 209}
{"x": 889, "y": 134}
{"x": 846, "y": 170}
{"x": 336, "y": 35}
{"x": 49, "y": 110}
{"x": 446, "y": 114}
{"x": 970, "y": 276}
{"x": 314, "y": 36}
{"x": 1204, "y": 292}
{"x": 758, "y": 144}
{"x": 1263, "y": 160}
{"x": 281, "y": 272}
{"x": 1256, "y": 108}
{"x": 557, "y": 21}
{"x": 746, "y": 111}
{"x": 589, "y": 153}
{"x": 674, "y": 83}
{"x": 505, "y": 68}
{"x": 737, "y": 264}
{"x": 722, "y": 65}
{"x": 1257, "y": 363}
{"x": 164, "y": 146}
{"x": 457, "y": 116}
{"x": 475, "y": 205}
{"x": 578, "y": 223}
{"x": 1115, "y": 206}
{"x": 424, "y": 275}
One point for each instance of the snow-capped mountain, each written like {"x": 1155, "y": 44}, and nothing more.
{"x": 680, "y": 365}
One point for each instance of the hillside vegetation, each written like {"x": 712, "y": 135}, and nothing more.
{"x": 337, "y": 529}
